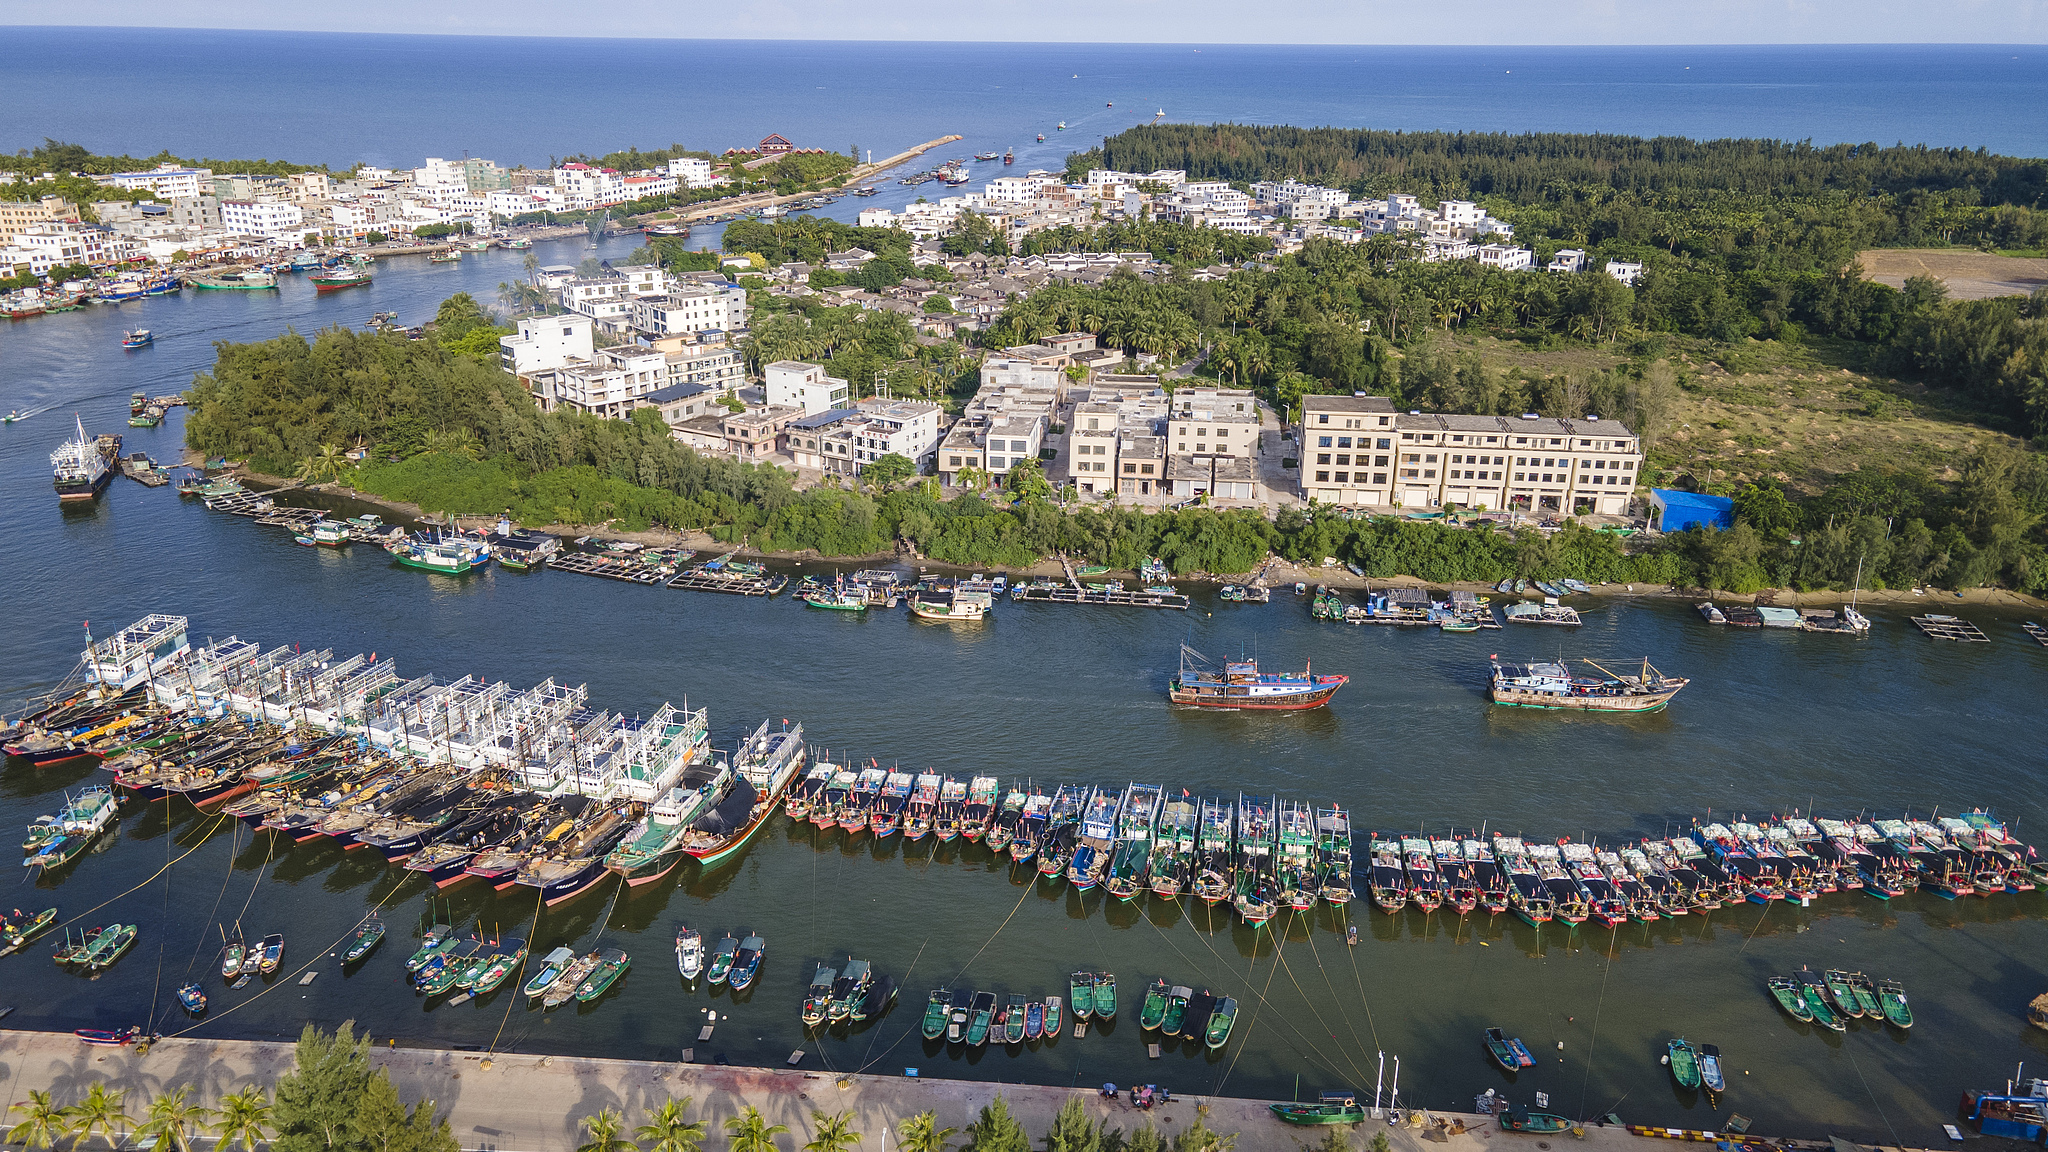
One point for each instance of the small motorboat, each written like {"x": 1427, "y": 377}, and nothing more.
{"x": 140, "y": 338}
{"x": 192, "y": 998}
{"x": 1508, "y": 1052}
{"x": 689, "y": 952}
{"x": 105, "y": 1038}
{"x": 1710, "y": 1069}
{"x": 272, "y": 954}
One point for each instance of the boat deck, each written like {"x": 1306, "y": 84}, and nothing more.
{"x": 1951, "y": 628}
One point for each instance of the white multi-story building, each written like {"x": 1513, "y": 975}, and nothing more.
{"x": 165, "y": 180}
{"x": 581, "y": 186}
{"x": 611, "y": 383}
{"x": 506, "y": 202}
{"x": 544, "y": 343}
{"x": 649, "y": 184}
{"x": 1020, "y": 189}
{"x": 845, "y": 441}
{"x": 795, "y": 384}
{"x": 694, "y": 309}
{"x": 1566, "y": 260}
{"x": 440, "y": 176}
{"x": 56, "y": 243}
{"x": 275, "y": 221}
{"x": 1300, "y": 201}
{"x": 1624, "y": 271}
{"x": 1506, "y": 257}
{"x": 691, "y": 171}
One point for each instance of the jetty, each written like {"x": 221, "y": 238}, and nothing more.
{"x": 1074, "y": 591}
{"x": 860, "y": 172}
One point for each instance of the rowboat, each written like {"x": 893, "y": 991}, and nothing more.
{"x": 1519, "y": 1119}
{"x": 1815, "y": 993}
{"x": 936, "y": 1008}
{"x": 1176, "y": 1010}
{"x": 1841, "y": 995}
{"x": 273, "y": 953}
{"x": 1866, "y": 995}
{"x": 611, "y": 964}
{"x": 1034, "y": 1020}
{"x": 1347, "y": 1112}
{"x": 368, "y": 936}
{"x": 1217, "y": 1032}
{"x": 104, "y": 1037}
{"x": 1684, "y": 1061}
{"x": 980, "y": 1015}
{"x": 1891, "y": 995}
{"x": 1508, "y": 1052}
{"x": 1710, "y": 1069}
{"x": 1013, "y": 1020}
{"x": 192, "y": 998}
{"x": 1104, "y": 1000}
{"x": 958, "y": 1014}
{"x": 17, "y": 931}
{"x": 231, "y": 959}
{"x": 1052, "y": 1017}
{"x": 1153, "y": 1013}
{"x": 1786, "y": 991}
{"x": 1081, "y": 986}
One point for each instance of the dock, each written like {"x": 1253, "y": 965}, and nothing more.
{"x": 609, "y": 567}
{"x": 2039, "y": 633}
{"x": 1071, "y": 595}
{"x": 697, "y": 580}
{"x": 1955, "y": 628}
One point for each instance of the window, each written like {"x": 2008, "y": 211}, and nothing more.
{"x": 1200, "y": 447}
{"x": 1343, "y": 477}
{"x": 1599, "y": 463}
{"x": 1146, "y": 469}
{"x": 1379, "y": 461}
{"x": 1429, "y": 473}
{"x": 1457, "y": 439}
{"x": 1182, "y": 447}
{"x": 1322, "y": 441}
{"x": 1384, "y": 444}
{"x": 1378, "y": 477}
{"x": 1429, "y": 459}
{"x": 1324, "y": 458}
{"x": 1518, "y": 477}
{"x": 1521, "y": 439}
{"x": 1322, "y": 477}
{"x": 1343, "y": 458}
{"x": 1323, "y": 419}
{"x": 1343, "y": 441}
{"x": 1629, "y": 464}
{"x": 1411, "y": 458}
{"x": 1018, "y": 446}
{"x": 1407, "y": 471}
{"x": 1094, "y": 423}
{"x": 997, "y": 462}
{"x": 1131, "y": 468}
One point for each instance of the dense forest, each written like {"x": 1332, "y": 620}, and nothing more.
{"x": 452, "y": 433}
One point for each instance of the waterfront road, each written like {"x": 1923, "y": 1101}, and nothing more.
{"x": 533, "y": 1103}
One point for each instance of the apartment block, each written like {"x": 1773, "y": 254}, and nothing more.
{"x": 805, "y": 387}
{"x": 543, "y": 343}
{"x": 611, "y": 383}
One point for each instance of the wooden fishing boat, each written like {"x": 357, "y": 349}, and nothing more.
{"x": 1789, "y": 997}
{"x": 1551, "y": 685}
{"x": 1841, "y": 995}
{"x": 1013, "y": 1020}
{"x": 1519, "y": 1119}
{"x": 273, "y": 953}
{"x": 937, "y": 1007}
{"x": 1052, "y": 1017}
{"x": 722, "y": 958}
{"x": 110, "y": 945}
{"x": 746, "y": 963}
{"x": 1387, "y": 877}
{"x": 818, "y": 998}
{"x": 980, "y": 1015}
{"x": 1216, "y": 1032}
{"x": 572, "y": 977}
{"x": 1891, "y": 996}
{"x": 1002, "y": 830}
{"x": 1710, "y": 1069}
{"x": 510, "y": 955}
{"x": 959, "y": 1015}
{"x": 1153, "y": 1012}
{"x": 880, "y": 994}
{"x": 106, "y": 1038}
{"x": 368, "y": 935}
{"x": 1176, "y": 1010}
{"x": 1104, "y": 998}
{"x": 1132, "y": 850}
{"x": 611, "y": 964}
{"x": 1172, "y": 862}
{"x": 1034, "y": 1020}
{"x": 1213, "y": 861}
{"x": 1240, "y": 685}
{"x": 19, "y": 929}
{"x": 192, "y": 998}
{"x": 1684, "y": 1061}
{"x": 438, "y": 939}
{"x": 1814, "y": 991}
{"x": 1342, "y": 1111}
{"x": 231, "y": 956}
{"x": 981, "y": 807}
{"x": 1081, "y": 986}
{"x": 551, "y": 968}
{"x": 1507, "y": 1051}
{"x": 951, "y": 819}
{"x": 1254, "y": 891}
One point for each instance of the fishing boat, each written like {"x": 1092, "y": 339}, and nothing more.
{"x": 1334, "y": 1108}
{"x": 1552, "y": 686}
{"x": 1814, "y": 992}
{"x": 1790, "y": 997}
{"x": 140, "y": 338}
{"x": 722, "y": 958}
{"x": 1508, "y": 1052}
{"x": 981, "y": 1014}
{"x": 859, "y": 806}
{"x": 1841, "y": 994}
{"x": 1891, "y": 997}
{"x": 552, "y": 966}
{"x": 1081, "y": 987}
{"x": 509, "y": 955}
{"x": 1240, "y": 684}
{"x": 689, "y": 952}
{"x": 818, "y": 998}
{"x": 921, "y": 811}
{"x": 1132, "y": 854}
{"x": 1603, "y": 902}
{"x": 1034, "y": 1020}
{"x": 1002, "y": 830}
{"x": 1102, "y": 998}
{"x": 1176, "y": 1010}
{"x": 368, "y": 935}
{"x": 1172, "y": 863}
{"x": 1095, "y": 844}
{"x": 959, "y": 1015}
{"x": 746, "y": 963}
{"x": 1215, "y": 1022}
{"x": 1152, "y": 1013}
{"x": 1014, "y": 1014}
{"x": 192, "y": 998}
{"x": 1062, "y": 827}
{"x": 1520, "y": 1119}
{"x": 573, "y": 975}
{"x": 109, "y": 945}
{"x": 1296, "y": 869}
{"x": 936, "y": 1008}
{"x": 252, "y": 281}
{"x": 1387, "y": 879}
{"x": 611, "y": 964}
{"x": 18, "y": 928}
{"x": 1254, "y": 893}
{"x": 58, "y": 839}
{"x": 1711, "y": 1076}
{"x": 452, "y": 557}
{"x": 103, "y": 1037}
{"x": 947, "y": 609}
{"x": 352, "y": 275}
{"x": 653, "y": 847}
{"x": 272, "y": 951}
{"x": 1461, "y": 885}
{"x": 887, "y": 818}
{"x": 1052, "y": 1017}
{"x": 837, "y": 598}
{"x": 1496, "y": 895}
{"x": 1865, "y": 991}
{"x": 1031, "y": 826}
{"x": 1684, "y": 1061}
{"x": 981, "y": 807}
{"x": 1425, "y": 884}
{"x": 1568, "y": 898}
{"x": 806, "y": 794}
{"x": 82, "y": 466}
{"x": 951, "y": 818}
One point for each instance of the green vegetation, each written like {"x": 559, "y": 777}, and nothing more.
{"x": 331, "y": 1101}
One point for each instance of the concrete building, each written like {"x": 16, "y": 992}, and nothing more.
{"x": 1361, "y": 451}
{"x": 544, "y": 343}
{"x": 691, "y": 171}
{"x": 612, "y": 382}
{"x": 1213, "y": 422}
{"x": 57, "y": 243}
{"x": 681, "y": 403}
{"x": 692, "y": 309}
{"x": 844, "y": 441}
{"x": 1625, "y": 271}
{"x": 713, "y": 365}
{"x": 165, "y": 181}
{"x": 805, "y": 387}
{"x": 17, "y": 215}
{"x": 267, "y": 218}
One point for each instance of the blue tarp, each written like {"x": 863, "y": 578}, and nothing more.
{"x": 1677, "y": 511}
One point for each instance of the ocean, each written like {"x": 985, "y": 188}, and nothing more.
{"x": 390, "y": 100}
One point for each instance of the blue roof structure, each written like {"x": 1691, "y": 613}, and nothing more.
{"x": 1677, "y": 511}
{"x": 822, "y": 419}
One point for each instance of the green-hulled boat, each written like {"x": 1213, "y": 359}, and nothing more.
{"x": 1104, "y": 998}
{"x": 551, "y": 968}
{"x": 1891, "y": 997}
{"x": 1081, "y": 990}
{"x": 1866, "y": 995}
{"x": 611, "y": 964}
{"x": 111, "y": 944}
{"x": 511, "y": 954}
{"x": 1815, "y": 994}
{"x": 981, "y": 1013}
{"x": 818, "y": 999}
{"x": 1220, "y": 1022}
{"x": 1334, "y": 1112}
{"x": 1176, "y": 1009}
{"x": 1153, "y": 1012}
{"x": 1523, "y": 1120}
{"x": 935, "y": 1009}
{"x": 438, "y": 939}
{"x": 1841, "y": 995}
{"x": 1786, "y": 991}
{"x": 1684, "y": 1061}
{"x": 1052, "y": 1018}
{"x": 17, "y": 931}
{"x": 721, "y": 959}
{"x": 368, "y": 936}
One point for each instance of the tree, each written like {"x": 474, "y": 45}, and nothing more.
{"x": 1199, "y": 1137}
{"x": 1765, "y": 506}
{"x": 751, "y": 1133}
{"x": 315, "y": 1108}
{"x": 1380, "y": 1143}
{"x": 42, "y": 1122}
{"x": 1072, "y": 1130}
{"x": 100, "y": 1111}
{"x": 1027, "y": 480}
{"x": 995, "y": 1130}
{"x": 888, "y": 471}
{"x": 1335, "y": 1139}
{"x": 173, "y": 1119}
{"x": 669, "y": 1131}
{"x": 323, "y": 465}
{"x": 244, "y": 1119}
{"x": 921, "y": 1133}
{"x": 835, "y": 1133}
{"x": 387, "y": 1125}
{"x": 604, "y": 1129}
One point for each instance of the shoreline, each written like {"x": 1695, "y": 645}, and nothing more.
{"x": 1277, "y": 573}
{"x": 533, "y": 1102}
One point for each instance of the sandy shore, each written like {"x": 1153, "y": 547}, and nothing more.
{"x": 533, "y": 1103}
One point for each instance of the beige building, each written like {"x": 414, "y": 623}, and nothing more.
{"x": 1361, "y": 451}
{"x": 16, "y": 215}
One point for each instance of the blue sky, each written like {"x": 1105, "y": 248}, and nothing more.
{"x": 1099, "y": 21}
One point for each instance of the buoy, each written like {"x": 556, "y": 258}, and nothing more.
{"x": 1664, "y": 1059}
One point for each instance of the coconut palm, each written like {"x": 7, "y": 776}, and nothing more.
{"x": 244, "y": 1119}
{"x": 921, "y": 1133}
{"x": 751, "y": 1133}
{"x": 604, "y": 1129}
{"x": 42, "y": 1123}
{"x": 669, "y": 1131}
{"x": 173, "y": 1118}
{"x": 100, "y": 1111}
{"x": 835, "y": 1133}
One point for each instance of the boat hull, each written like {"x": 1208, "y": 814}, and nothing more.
{"x": 1278, "y": 702}
{"x": 1625, "y": 705}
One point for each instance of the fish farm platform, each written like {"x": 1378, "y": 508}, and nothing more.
{"x": 1084, "y": 596}
{"x": 742, "y": 586}
{"x": 1951, "y": 628}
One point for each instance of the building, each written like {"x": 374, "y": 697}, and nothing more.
{"x": 59, "y": 243}
{"x": 1213, "y": 422}
{"x": 165, "y": 181}
{"x": 1566, "y": 260}
{"x": 17, "y": 215}
{"x": 715, "y": 366}
{"x": 1361, "y": 451}
{"x": 681, "y": 403}
{"x": 544, "y": 343}
{"x": 269, "y": 219}
{"x": 774, "y": 145}
{"x": 611, "y": 382}
{"x": 844, "y": 441}
{"x": 1675, "y": 511}
{"x": 689, "y": 310}
{"x": 691, "y": 171}
{"x": 1506, "y": 257}
{"x": 805, "y": 387}
{"x": 1624, "y": 271}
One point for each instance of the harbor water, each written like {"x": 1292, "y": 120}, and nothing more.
{"x": 1771, "y": 722}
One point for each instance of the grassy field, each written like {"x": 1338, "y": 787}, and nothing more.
{"x": 1799, "y": 413}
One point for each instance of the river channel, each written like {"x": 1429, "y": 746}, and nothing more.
{"x": 1052, "y": 693}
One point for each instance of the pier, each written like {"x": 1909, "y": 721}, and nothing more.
{"x": 764, "y": 200}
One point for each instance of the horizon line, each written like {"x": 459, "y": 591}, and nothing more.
{"x": 1222, "y": 45}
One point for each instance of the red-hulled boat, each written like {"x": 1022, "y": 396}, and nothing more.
{"x": 1240, "y": 684}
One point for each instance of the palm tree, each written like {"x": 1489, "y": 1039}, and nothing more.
{"x": 835, "y": 1133}
{"x": 100, "y": 1111}
{"x": 604, "y": 1129}
{"x": 42, "y": 1123}
{"x": 669, "y": 1131}
{"x": 173, "y": 1119}
{"x": 244, "y": 1117}
{"x": 751, "y": 1133}
{"x": 921, "y": 1133}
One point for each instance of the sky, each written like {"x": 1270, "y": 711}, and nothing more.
{"x": 1111, "y": 21}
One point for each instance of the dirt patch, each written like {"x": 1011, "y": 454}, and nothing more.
{"x": 1969, "y": 275}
